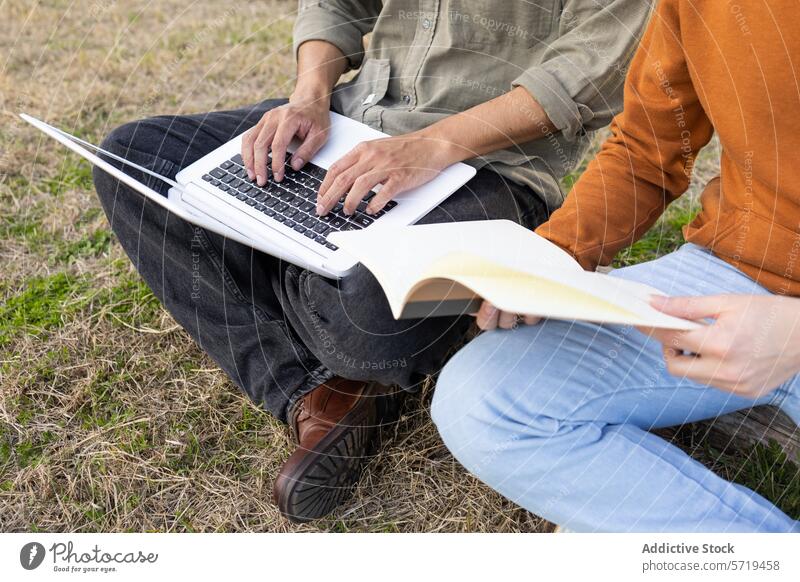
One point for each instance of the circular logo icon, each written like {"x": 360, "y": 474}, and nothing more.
{"x": 31, "y": 555}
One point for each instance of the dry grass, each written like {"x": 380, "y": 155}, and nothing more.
{"x": 110, "y": 418}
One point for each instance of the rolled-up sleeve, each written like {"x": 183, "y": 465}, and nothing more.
{"x": 579, "y": 80}
{"x": 647, "y": 161}
{"x": 339, "y": 22}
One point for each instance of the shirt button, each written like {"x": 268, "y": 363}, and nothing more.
{"x": 406, "y": 99}
{"x": 426, "y": 24}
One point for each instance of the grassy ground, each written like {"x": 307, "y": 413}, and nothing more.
{"x": 110, "y": 418}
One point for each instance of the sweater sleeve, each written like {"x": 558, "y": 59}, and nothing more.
{"x": 647, "y": 161}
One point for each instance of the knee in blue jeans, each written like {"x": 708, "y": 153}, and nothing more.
{"x": 483, "y": 440}
{"x": 483, "y": 415}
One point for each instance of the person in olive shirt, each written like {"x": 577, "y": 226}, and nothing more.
{"x": 510, "y": 87}
{"x": 556, "y": 416}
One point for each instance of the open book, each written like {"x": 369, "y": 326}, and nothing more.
{"x": 447, "y": 269}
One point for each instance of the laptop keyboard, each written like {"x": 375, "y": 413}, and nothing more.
{"x": 293, "y": 201}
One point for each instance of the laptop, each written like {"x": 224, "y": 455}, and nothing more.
{"x": 280, "y": 217}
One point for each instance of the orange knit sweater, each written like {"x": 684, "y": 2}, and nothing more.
{"x": 703, "y": 65}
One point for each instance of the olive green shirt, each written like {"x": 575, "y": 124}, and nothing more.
{"x": 428, "y": 59}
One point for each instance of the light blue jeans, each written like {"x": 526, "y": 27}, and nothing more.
{"x": 555, "y": 417}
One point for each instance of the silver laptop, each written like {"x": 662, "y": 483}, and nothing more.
{"x": 280, "y": 217}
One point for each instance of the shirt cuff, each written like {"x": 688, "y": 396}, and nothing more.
{"x": 318, "y": 23}
{"x": 564, "y": 112}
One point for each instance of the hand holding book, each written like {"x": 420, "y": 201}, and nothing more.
{"x": 488, "y": 317}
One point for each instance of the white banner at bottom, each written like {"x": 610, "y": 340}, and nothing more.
{"x": 401, "y": 557}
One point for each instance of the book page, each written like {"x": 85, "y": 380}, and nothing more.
{"x": 442, "y": 269}
{"x": 554, "y": 293}
{"x": 400, "y": 256}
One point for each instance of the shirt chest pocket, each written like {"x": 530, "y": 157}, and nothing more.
{"x": 490, "y": 26}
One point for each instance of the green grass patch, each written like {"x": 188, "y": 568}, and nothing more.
{"x": 94, "y": 515}
{"x": 43, "y": 304}
{"x": 664, "y": 237}
{"x": 26, "y": 408}
{"x": 92, "y": 245}
{"x": 73, "y": 174}
{"x": 133, "y": 439}
{"x": 26, "y": 227}
{"x": 44, "y": 370}
{"x": 46, "y": 303}
{"x": 29, "y": 453}
{"x": 568, "y": 181}
{"x": 130, "y": 301}
{"x": 190, "y": 456}
{"x": 90, "y": 215}
{"x": 103, "y": 408}
{"x": 5, "y": 450}
{"x": 767, "y": 471}
{"x": 31, "y": 376}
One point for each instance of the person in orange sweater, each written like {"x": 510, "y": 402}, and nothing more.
{"x": 556, "y": 415}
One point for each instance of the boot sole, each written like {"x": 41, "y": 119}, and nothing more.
{"x": 313, "y": 483}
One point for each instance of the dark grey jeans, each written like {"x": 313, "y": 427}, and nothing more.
{"x": 278, "y": 330}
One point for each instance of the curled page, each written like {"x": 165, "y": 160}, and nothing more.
{"x": 447, "y": 269}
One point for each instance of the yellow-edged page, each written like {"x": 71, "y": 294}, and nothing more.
{"x": 400, "y": 256}
{"x": 553, "y": 294}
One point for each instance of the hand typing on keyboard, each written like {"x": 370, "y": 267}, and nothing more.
{"x": 399, "y": 163}
{"x": 308, "y": 120}
{"x": 292, "y": 202}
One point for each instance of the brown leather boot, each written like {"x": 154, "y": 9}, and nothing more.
{"x": 336, "y": 426}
